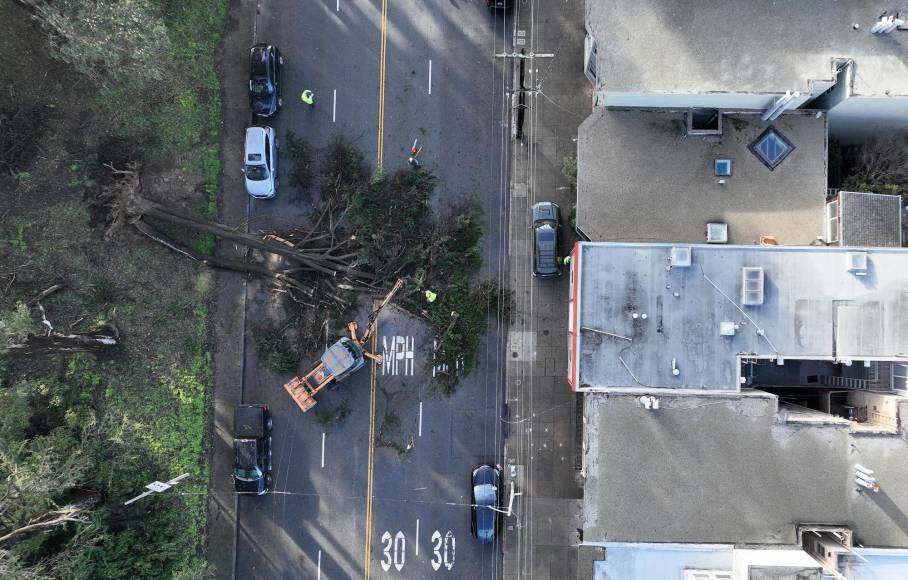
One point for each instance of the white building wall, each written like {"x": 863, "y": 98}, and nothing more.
{"x": 857, "y": 117}
{"x": 641, "y": 561}
{"x": 679, "y": 101}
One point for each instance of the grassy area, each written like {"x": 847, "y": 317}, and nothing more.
{"x": 104, "y": 426}
{"x": 132, "y": 417}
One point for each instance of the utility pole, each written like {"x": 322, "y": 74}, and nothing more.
{"x": 158, "y": 487}
{"x": 519, "y": 95}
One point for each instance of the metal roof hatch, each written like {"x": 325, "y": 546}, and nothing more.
{"x": 717, "y": 233}
{"x": 681, "y": 256}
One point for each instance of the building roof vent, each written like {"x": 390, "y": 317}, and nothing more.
{"x": 727, "y": 328}
{"x": 717, "y": 233}
{"x": 751, "y": 286}
{"x": 856, "y": 263}
{"x": 681, "y": 256}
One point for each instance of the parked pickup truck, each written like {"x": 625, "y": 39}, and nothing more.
{"x": 252, "y": 449}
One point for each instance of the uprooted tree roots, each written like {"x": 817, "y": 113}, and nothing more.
{"x": 311, "y": 265}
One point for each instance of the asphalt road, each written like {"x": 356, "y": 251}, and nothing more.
{"x": 443, "y": 86}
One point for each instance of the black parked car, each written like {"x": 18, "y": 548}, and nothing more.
{"x": 546, "y": 234}
{"x": 485, "y": 502}
{"x": 265, "y": 79}
{"x": 499, "y": 4}
{"x": 252, "y": 449}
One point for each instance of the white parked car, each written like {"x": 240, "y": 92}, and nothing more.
{"x": 261, "y": 162}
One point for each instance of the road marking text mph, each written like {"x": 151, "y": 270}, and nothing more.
{"x": 399, "y": 353}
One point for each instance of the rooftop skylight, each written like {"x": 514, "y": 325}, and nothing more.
{"x": 771, "y": 148}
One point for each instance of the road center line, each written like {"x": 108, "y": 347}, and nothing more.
{"x": 319, "y": 565}
{"x": 337, "y": 7}
{"x": 417, "y": 536}
{"x": 420, "y": 420}
{"x": 334, "y": 108}
{"x": 323, "y": 450}
{"x": 430, "y": 76}
{"x": 381, "y": 82}
{"x": 367, "y": 556}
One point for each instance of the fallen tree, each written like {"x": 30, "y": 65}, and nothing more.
{"x": 75, "y": 512}
{"x": 308, "y": 258}
{"x": 103, "y": 338}
{"x": 364, "y": 232}
{"x": 20, "y": 342}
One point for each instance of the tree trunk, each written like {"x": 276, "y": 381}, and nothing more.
{"x": 103, "y": 338}
{"x": 74, "y": 512}
{"x": 232, "y": 265}
{"x": 319, "y": 262}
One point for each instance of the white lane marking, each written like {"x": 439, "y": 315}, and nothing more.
{"x": 334, "y": 108}
{"x": 430, "y": 76}
{"x": 417, "y": 536}
{"x": 337, "y": 7}
{"x": 319, "y": 565}
{"x": 323, "y": 450}
{"x": 420, "y": 418}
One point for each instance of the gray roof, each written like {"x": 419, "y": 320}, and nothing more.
{"x": 641, "y": 178}
{"x": 812, "y": 308}
{"x": 720, "y": 469}
{"x": 744, "y": 46}
{"x": 870, "y": 220}
{"x": 784, "y": 573}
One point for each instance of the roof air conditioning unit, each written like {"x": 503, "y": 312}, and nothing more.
{"x": 717, "y": 233}
{"x": 681, "y": 257}
{"x": 751, "y": 286}
{"x": 856, "y": 263}
{"x": 727, "y": 328}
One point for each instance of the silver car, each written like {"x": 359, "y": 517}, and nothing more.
{"x": 261, "y": 162}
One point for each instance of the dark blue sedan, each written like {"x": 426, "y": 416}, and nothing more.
{"x": 485, "y": 503}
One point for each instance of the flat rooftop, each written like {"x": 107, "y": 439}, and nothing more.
{"x": 813, "y": 308}
{"x": 744, "y": 46}
{"x": 721, "y": 469}
{"x": 642, "y": 178}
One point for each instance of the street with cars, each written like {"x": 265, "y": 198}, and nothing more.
{"x": 401, "y": 487}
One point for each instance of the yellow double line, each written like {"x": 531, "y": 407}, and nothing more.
{"x": 367, "y": 557}
{"x": 381, "y": 82}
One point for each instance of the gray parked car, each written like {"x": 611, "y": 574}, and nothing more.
{"x": 546, "y": 238}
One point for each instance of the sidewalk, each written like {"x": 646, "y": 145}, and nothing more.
{"x": 229, "y": 311}
{"x": 542, "y": 449}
